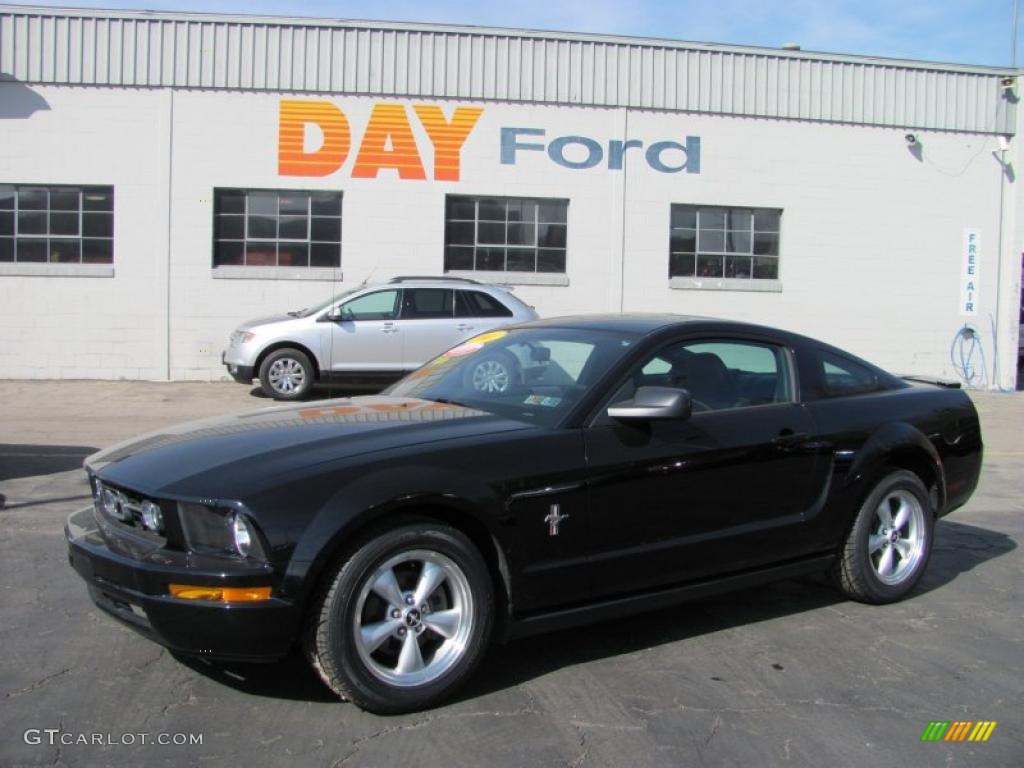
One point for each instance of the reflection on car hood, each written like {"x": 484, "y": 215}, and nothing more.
{"x": 248, "y": 447}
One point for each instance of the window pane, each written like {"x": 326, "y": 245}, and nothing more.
{"x": 682, "y": 265}
{"x": 230, "y": 227}
{"x": 66, "y": 251}
{"x": 711, "y": 240}
{"x": 64, "y": 223}
{"x": 522, "y": 234}
{"x": 262, "y": 226}
{"x": 379, "y": 305}
{"x": 737, "y": 266}
{"x": 552, "y": 211}
{"x": 228, "y": 254}
{"x": 521, "y": 260}
{"x": 6, "y": 197}
{"x": 492, "y": 210}
{"x": 63, "y": 199}
{"x": 522, "y": 210}
{"x": 710, "y": 266}
{"x": 229, "y": 201}
{"x": 460, "y": 232}
{"x": 684, "y": 216}
{"x": 31, "y": 250}
{"x": 844, "y": 377}
{"x": 325, "y": 203}
{"x": 766, "y": 245}
{"x": 98, "y": 224}
{"x": 551, "y": 260}
{"x": 324, "y": 255}
{"x": 263, "y": 203}
{"x": 6, "y": 223}
{"x": 490, "y": 233}
{"x": 31, "y": 223}
{"x": 766, "y": 268}
{"x": 293, "y": 228}
{"x": 32, "y": 198}
{"x": 737, "y": 242}
{"x": 740, "y": 219}
{"x": 6, "y": 249}
{"x": 712, "y": 218}
{"x": 683, "y": 240}
{"x": 551, "y": 235}
{"x": 456, "y": 257}
{"x": 323, "y": 229}
{"x": 460, "y": 208}
{"x": 294, "y": 203}
{"x": 490, "y": 258}
{"x": 97, "y": 251}
{"x": 260, "y": 254}
{"x": 766, "y": 221}
{"x": 293, "y": 255}
{"x": 97, "y": 199}
{"x": 427, "y": 303}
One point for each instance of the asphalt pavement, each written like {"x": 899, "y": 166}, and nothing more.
{"x": 784, "y": 674}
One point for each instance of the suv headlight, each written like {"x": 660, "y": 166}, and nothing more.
{"x": 220, "y": 531}
{"x": 242, "y": 337}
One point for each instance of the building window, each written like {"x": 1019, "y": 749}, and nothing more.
{"x": 505, "y": 234}
{"x": 276, "y": 228}
{"x": 56, "y": 225}
{"x": 724, "y": 242}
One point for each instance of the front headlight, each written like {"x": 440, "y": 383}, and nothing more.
{"x": 242, "y": 337}
{"x": 219, "y": 530}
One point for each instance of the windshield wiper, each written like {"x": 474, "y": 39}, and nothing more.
{"x": 296, "y": 313}
{"x": 446, "y": 401}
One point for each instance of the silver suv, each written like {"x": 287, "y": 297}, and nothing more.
{"x": 367, "y": 336}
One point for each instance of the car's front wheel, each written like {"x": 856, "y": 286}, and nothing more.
{"x": 286, "y": 374}
{"x": 887, "y": 548}
{"x": 403, "y": 620}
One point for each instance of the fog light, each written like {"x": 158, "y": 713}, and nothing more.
{"x": 152, "y": 517}
{"x": 219, "y": 594}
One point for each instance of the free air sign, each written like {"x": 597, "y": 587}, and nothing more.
{"x": 969, "y": 273}
{"x": 315, "y": 138}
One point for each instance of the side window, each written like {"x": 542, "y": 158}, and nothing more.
{"x": 842, "y": 377}
{"x": 477, "y": 304}
{"x": 717, "y": 374}
{"x": 379, "y": 305}
{"x": 427, "y": 303}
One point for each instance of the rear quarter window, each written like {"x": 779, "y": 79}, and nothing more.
{"x": 843, "y": 377}
{"x": 479, "y": 304}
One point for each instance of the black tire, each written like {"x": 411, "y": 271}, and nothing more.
{"x": 337, "y": 652}
{"x": 493, "y": 373}
{"x": 859, "y": 571}
{"x": 287, "y": 374}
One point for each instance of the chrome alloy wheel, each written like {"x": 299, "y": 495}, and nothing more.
{"x": 286, "y": 375}
{"x": 491, "y": 376}
{"x": 896, "y": 541}
{"x": 413, "y": 618}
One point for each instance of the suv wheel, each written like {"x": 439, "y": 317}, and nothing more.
{"x": 286, "y": 374}
{"x": 887, "y": 549}
{"x": 404, "y": 620}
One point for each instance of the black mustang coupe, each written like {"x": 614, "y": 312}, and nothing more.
{"x": 548, "y": 474}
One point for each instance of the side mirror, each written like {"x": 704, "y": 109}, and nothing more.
{"x": 336, "y": 314}
{"x": 653, "y": 403}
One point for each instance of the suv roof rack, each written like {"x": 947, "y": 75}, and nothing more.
{"x": 443, "y": 279}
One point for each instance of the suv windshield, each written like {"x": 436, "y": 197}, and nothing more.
{"x": 532, "y": 374}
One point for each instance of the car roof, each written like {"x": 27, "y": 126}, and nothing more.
{"x": 641, "y": 323}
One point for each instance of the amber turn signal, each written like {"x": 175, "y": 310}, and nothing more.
{"x": 220, "y": 594}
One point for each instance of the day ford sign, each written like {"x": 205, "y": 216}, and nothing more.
{"x": 389, "y": 142}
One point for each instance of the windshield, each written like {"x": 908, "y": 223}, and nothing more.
{"x": 532, "y": 374}
{"x": 323, "y": 305}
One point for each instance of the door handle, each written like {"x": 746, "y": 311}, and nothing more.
{"x": 788, "y": 437}
{"x": 389, "y": 328}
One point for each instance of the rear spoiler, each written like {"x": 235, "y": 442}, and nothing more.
{"x": 947, "y": 383}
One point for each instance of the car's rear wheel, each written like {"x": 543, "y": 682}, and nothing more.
{"x": 403, "y": 620}
{"x": 887, "y": 548}
{"x": 286, "y": 374}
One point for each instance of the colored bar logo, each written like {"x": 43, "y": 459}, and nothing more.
{"x": 959, "y": 730}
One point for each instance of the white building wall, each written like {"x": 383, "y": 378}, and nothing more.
{"x": 870, "y": 248}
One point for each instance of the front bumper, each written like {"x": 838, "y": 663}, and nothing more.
{"x": 243, "y": 374}
{"x": 135, "y": 592}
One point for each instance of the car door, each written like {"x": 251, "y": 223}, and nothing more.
{"x": 724, "y": 490}
{"x": 429, "y": 326}
{"x": 367, "y": 336}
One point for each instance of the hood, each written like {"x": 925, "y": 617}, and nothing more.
{"x": 214, "y": 456}
{"x": 259, "y": 322}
